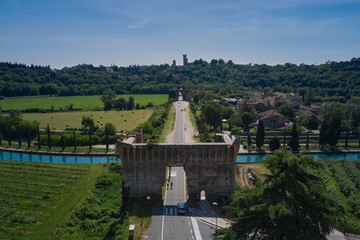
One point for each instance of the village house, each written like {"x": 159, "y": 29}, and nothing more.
{"x": 272, "y": 119}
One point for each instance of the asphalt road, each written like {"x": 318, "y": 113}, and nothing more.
{"x": 167, "y": 223}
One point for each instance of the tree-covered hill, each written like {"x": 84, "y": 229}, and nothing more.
{"x": 336, "y": 80}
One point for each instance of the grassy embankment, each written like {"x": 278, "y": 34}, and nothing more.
{"x": 192, "y": 120}
{"x": 79, "y": 102}
{"x": 169, "y": 124}
{"x": 79, "y": 149}
{"x": 36, "y": 197}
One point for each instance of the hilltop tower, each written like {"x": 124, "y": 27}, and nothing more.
{"x": 185, "y": 60}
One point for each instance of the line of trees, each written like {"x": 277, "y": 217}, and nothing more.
{"x": 110, "y": 101}
{"x": 332, "y": 80}
{"x": 13, "y": 127}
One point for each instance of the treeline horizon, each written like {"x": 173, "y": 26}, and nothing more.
{"x": 336, "y": 81}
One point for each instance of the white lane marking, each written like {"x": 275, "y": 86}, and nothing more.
{"x": 196, "y": 229}
{"x": 166, "y": 211}
{"x": 184, "y": 186}
{"x": 191, "y": 231}
{"x": 171, "y": 210}
{"x": 189, "y": 224}
{"x": 162, "y": 224}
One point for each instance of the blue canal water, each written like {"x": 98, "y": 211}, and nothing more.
{"x": 26, "y": 157}
{"x": 321, "y": 157}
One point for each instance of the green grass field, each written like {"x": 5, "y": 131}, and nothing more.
{"x": 60, "y": 119}
{"x": 82, "y": 102}
{"x": 36, "y": 197}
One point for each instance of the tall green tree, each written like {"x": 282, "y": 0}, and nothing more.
{"x": 131, "y": 103}
{"x": 38, "y": 135}
{"x": 74, "y": 140}
{"x": 274, "y": 143}
{"x": 49, "y": 136}
{"x": 309, "y": 96}
{"x": 294, "y": 141}
{"x": 260, "y": 135}
{"x": 62, "y": 142}
{"x": 107, "y": 137}
{"x": 293, "y": 203}
{"x": 323, "y": 134}
{"x": 354, "y": 119}
{"x": 19, "y": 136}
{"x": 108, "y": 99}
{"x": 212, "y": 113}
{"x": 249, "y": 141}
{"x": 247, "y": 119}
{"x": 28, "y": 128}
{"x": 9, "y": 133}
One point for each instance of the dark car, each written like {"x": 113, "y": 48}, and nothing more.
{"x": 181, "y": 207}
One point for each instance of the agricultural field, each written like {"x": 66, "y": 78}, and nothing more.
{"x": 35, "y": 198}
{"x": 122, "y": 120}
{"x": 79, "y": 102}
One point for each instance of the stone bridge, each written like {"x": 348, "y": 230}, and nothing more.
{"x": 208, "y": 166}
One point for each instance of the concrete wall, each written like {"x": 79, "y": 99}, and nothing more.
{"x": 209, "y": 167}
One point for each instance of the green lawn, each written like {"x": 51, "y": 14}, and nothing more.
{"x": 82, "y": 102}
{"x": 123, "y": 120}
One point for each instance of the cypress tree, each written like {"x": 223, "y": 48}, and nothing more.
{"x": 260, "y": 135}
{"x": 90, "y": 146}
{"x": 107, "y": 137}
{"x": 19, "y": 136}
{"x": 323, "y": 134}
{"x": 74, "y": 140}
{"x": 49, "y": 137}
{"x": 9, "y": 132}
{"x": 347, "y": 136}
{"x": 307, "y": 140}
{"x": 294, "y": 142}
{"x": 62, "y": 142}
{"x": 334, "y": 131}
{"x": 249, "y": 142}
{"x": 284, "y": 142}
{"x": 38, "y": 135}
{"x": 28, "y": 135}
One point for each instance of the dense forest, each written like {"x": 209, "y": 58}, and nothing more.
{"x": 331, "y": 80}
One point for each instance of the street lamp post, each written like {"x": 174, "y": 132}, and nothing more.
{"x": 215, "y": 204}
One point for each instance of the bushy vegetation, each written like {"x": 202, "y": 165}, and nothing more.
{"x": 104, "y": 211}
{"x": 153, "y": 128}
{"x": 347, "y": 186}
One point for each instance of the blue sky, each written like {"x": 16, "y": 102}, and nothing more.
{"x": 70, "y": 32}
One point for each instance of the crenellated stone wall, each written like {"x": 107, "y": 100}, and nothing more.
{"x": 208, "y": 166}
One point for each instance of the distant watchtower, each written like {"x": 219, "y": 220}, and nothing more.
{"x": 185, "y": 60}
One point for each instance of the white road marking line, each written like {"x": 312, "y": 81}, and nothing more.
{"x": 162, "y": 224}
{"x": 184, "y": 186}
{"x": 196, "y": 229}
